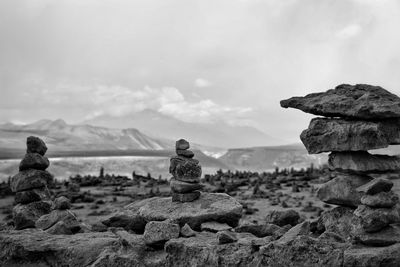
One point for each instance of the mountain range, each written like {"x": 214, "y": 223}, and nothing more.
{"x": 216, "y": 134}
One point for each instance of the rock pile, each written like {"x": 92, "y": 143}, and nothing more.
{"x": 31, "y": 185}
{"x": 186, "y": 173}
{"x": 357, "y": 119}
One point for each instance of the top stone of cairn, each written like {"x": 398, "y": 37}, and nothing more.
{"x": 360, "y": 101}
{"x": 35, "y": 145}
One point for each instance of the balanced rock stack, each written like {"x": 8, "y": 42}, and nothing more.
{"x": 30, "y": 185}
{"x": 186, "y": 173}
{"x": 357, "y": 119}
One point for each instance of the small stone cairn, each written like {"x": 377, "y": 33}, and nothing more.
{"x": 186, "y": 172}
{"x": 34, "y": 206}
{"x": 357, "y": 119}
{"x": 31, "y": 185}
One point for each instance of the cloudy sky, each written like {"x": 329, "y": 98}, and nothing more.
{"x": 198, "y": 61}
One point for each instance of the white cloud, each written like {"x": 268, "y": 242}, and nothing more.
{"x": 119, "y": 101}
{"x": 199, "y": 82}
{"x": 349, "y": 31}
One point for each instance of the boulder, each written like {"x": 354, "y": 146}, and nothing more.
{"x": 186, "y": 231}
{"x": 182, "y": 144}
{"x": 226, "y": 237}
{"x": 30, "y": 179}
{"x": 326, "y": 135}
{"x": 300, "y": 229}
{"x": 376, "y": 186}
{"x": 386, "y": 237}
{"x": 282, "y": 218}
{"x": 35, "y": 145}
{"x": 62, "y": 203}
{"x": 358, "y": 255}
{"x": 360, "y": 101}
{"x": 183, "y": 187}
{"x": 185, "y": 153}
{"x": 373, "y": 220}
{"x": 342, "y": 190}
{"x": 380, "y": 200}
{"x": 34, "y": 161}
{"x": 209, "y": 207}
{"x": 214, "y": 227}
{"x": 32, "y": 195}
{"x": 157, "y": 233}
{"x": 48, "y": 220}
{"x": 185, "y": 197}
{"x": 25, "y": 216}
{"x": 363, "y": 162}
{"x": 338, "y": 220}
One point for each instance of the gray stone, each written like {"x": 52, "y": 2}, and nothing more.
{"x": 48, "y": 220}
{"x": 386, "y": 237}
{"x": 380, "y": 200}
{"x": 185, "y": 169}
{"x": 186, "y": 231}
{"x": 185, "y": 153}
{"x": 34, "y": 161}
{"x": 30, "y": 179}
{"x": 60, "y": 228}
{"x": 363, "y": 162}
{"x": 300, "y": 229}
{"x": 182, "y": 144}
{"x": 184, "y": 187}
{"x": 326, "y": 135}
{"x": 376, "y": 186}
{"x": 226, "y": 237}
{"x": 32, "y": 195}
{"x": 25, "y": 216}
{"x": 361, "y": 101}
{"x": 214, "y": 227}
{"x": 35, "y": 145}
{"x": 127, "y": 219}
{"x": 209, "y": 207}
{"x": 373, "y": 220}
{"x": 261, "y": 230}
{"x": 338, "y": 220}
{"x": 185, "y": 197}
{"x": 282, "y": 218}
{"x": 342, "y": 190}
{"x": 62, "y": 203}
{"x": 157, "y": 233}
{"x": 367, "y": 256}
{"x": 302, "y": 251}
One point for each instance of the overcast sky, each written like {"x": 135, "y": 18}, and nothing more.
{"x": 194, "y": 60}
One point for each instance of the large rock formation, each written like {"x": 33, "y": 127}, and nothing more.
{"x": 369, "y": 118}
{"x": 361, "y": 101}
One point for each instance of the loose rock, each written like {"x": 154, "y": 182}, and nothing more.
{"x": 214, "y": 227}
{"x": 226, "y": 237}
{"x": 282, "y": 218}
{"x": 157, "y": 233}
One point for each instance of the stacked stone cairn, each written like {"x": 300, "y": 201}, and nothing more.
{"x": 34, "y": 207}
{"x": 357, "y": 119}
{"x": 30, "y": 185}
{"x": 186, "y": 172}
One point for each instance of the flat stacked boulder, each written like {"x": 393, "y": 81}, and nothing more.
{"x": 186, "y": 172}
{"x": 358, "y": 118}
{"x": 31, "y": 185}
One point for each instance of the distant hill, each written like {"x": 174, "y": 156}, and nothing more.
{"x": 218, "y": 134}
{"x": 60, "y": 136}
{"x": 267, "y": 158}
